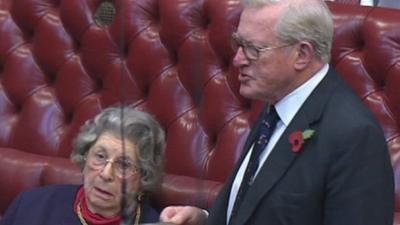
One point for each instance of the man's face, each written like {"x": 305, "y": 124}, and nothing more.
{"x": 269, "y": 77}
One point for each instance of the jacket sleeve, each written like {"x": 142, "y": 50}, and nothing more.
{"x": 11, "y": 212}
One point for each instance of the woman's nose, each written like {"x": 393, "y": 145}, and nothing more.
{"x": 107, "y": 173}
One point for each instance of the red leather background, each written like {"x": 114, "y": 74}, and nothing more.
{"x": 172, "y": 59}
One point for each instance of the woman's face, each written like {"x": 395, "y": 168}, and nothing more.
{"x": 102, "y": 174}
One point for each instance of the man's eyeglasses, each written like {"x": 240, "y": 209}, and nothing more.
{"x": 251, "y": 51}
{"x": 98, "y": 160}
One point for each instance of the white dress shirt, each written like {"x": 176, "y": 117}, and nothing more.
{"x": 367, "y": 2}
{"x": 286, "y": 109}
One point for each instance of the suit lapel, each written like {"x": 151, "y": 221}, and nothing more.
{"x": 282, "y": 156}
{"x": 219, "y": 209}
{"x": 221, "y": 206}
{"x": 249, "y": 142}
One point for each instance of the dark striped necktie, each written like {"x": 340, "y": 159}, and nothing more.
{"x": 266, "y": 128}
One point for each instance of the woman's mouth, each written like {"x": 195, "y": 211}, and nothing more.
{"x": 103, "y": 194}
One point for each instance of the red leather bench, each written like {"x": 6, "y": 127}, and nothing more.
{"x": 58, "y": 68}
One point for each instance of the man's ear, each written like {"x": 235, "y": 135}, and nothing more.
{"x": 305, "y": 54}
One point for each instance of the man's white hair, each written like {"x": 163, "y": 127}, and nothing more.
{"x": 302, "y": 20}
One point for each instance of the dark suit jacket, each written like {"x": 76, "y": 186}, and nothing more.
{"x": 53, "y": 205}
{"x": 341, "y": 176}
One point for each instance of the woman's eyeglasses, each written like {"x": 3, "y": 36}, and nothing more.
{"x": 122, "y": 167}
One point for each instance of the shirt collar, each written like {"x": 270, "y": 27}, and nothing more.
{"x": 288, "y": 106}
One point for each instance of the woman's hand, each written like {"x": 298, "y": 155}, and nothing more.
{"x": 184, "y": 215}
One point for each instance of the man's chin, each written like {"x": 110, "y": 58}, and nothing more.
{"x": 246, "y": 92}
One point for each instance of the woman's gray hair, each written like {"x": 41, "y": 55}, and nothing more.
{"x": 138, "y": 127}
{"x": 303, "y": 20}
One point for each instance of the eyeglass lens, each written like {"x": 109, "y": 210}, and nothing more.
{"x": 120, "y": 166}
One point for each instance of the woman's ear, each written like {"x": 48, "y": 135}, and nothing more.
{"x": 305, "y": 54}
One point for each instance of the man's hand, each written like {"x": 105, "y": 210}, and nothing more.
{"x": 184, "y": 215}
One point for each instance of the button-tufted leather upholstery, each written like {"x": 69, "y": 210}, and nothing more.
{"x": 172, "y": 59}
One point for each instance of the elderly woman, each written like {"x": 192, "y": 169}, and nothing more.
{"x": 121, "y": 155}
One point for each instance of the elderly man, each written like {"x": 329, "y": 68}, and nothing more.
{"x": 316, "y": 156}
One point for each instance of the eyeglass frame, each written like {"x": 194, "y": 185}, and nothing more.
{"x": 239, "y": 42}
{"x": 119, "y": 171}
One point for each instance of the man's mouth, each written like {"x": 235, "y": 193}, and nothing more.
{"x": 244, "y": 77}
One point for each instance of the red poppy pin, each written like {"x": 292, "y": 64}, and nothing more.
{"x": 297, "y": 139}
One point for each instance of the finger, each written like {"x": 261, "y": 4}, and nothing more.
{"x": 167, "y": 213}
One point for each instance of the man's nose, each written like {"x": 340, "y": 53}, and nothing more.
{"x": 240, "y": 58}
